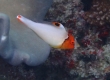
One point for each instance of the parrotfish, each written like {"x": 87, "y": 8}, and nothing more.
{"x": 53, "y": 33}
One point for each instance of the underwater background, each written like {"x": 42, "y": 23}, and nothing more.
{"x": 87, "y": 20}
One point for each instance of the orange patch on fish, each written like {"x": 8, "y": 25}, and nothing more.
{"x": 69, "y": 43}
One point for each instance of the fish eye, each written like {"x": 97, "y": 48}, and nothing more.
{"x": 56, "y": 24}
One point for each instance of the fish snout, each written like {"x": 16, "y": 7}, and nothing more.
{"x": 19, "y": 18}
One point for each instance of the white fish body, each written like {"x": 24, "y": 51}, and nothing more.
{"x": 53, "y": 35}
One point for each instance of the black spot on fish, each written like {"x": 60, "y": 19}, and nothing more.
{"x": 57, "y": 24}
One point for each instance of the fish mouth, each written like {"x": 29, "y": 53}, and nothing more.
{"x": 18, "y": 17}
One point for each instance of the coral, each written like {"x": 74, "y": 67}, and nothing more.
{"x": 106, "y": 52}
{"x": 90, "y": 60}
{"x": 76, "y": 2}
{"x": 99, "y": 14}
{"x": 9, "y": 72}
{"x": 64, "y": 9}
{"x": 87, "y": 4}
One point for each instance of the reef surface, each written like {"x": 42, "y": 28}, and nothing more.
{"x": 91, "y": 27}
